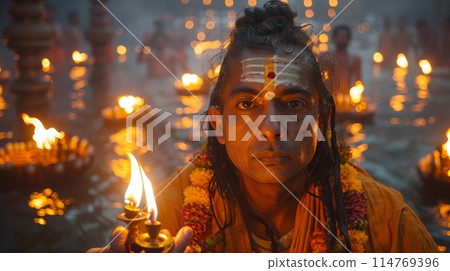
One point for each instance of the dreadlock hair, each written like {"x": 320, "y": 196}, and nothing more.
{"x": 272, "y": 28}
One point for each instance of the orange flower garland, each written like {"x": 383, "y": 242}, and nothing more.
{"x": 355, "y": 202}
{"x": 196, "y": 210}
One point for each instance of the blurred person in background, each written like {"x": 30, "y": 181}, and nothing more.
{"x": 386, "y": 43}
{"x": 426, "y": 42}
{"x": 72, "y": 35}
{"x": 56, "y": 51}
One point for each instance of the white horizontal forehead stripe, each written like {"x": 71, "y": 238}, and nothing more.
{"x": 254, "y": 71}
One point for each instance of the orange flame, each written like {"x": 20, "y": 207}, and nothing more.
{"x": 140, "y": 183}
{"x": 130, "y": 103}
{"x": 378, "y": 57}
{"x": 44, "y": 138}
{"x": 46, "y": 65}
{"x": 446, "y": 146}
{"x": 149, "y": 197}
{"x": 402, "y": 62}
{"x": 425, "y": 66}
{"x": 191, "y": 81}
{"x": 133, "y": 193}
{"x": 79, "y": 57}
{"x": 356, "y": 92}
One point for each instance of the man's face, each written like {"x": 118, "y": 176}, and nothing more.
{"x": 341, "y": 40}
{"x": 293, "y": 95}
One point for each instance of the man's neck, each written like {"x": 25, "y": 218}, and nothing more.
{"x": 274, "y": 204}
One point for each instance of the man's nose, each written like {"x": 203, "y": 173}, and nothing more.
{"x": 271, "y": 130}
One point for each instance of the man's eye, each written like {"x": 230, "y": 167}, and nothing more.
{"x": 244, "y": 105}
{"x": 295, "y": 104}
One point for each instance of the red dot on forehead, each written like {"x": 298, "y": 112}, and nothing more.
{"x": 271, "y": 75}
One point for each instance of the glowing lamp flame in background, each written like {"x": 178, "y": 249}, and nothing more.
{"x": 378, "y": 57}
{"x": 44, "y": 138}
{"x": 425, "y": 66}
{"x": 139, "y": 183}
{"x": 446, "y": 146}
{"x": 130, "y": 103}
{"x": 191, "y": 81}
{"x": 46, "y": 65}
{"x": 402, "y": 62}
{"x": 79, "y": 57}
{"x": 356, "y": 92}
{"x": 121, "y": 50}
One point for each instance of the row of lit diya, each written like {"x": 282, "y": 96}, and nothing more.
{"x": 189, "y": 84}
{"x": 402, "y": 62}
{"x": 78, "y": 59}
{"x": 354, "y": 106}
{"x": 50, "y": 156}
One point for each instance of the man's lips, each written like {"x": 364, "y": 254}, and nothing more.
{"x": 269, "y": 158}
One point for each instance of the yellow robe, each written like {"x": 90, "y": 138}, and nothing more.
{"x": 392, "y": 225}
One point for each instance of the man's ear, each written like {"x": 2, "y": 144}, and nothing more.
{"x": 213, "y": 110}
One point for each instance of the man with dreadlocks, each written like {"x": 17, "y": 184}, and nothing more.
{"x": 277, "y": 189}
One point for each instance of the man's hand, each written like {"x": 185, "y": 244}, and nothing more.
{"x": 181, "y": 241}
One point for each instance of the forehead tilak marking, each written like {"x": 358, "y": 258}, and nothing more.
{"x": 267, "y": 70}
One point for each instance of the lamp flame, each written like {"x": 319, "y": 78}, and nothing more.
{"x": 446, "y": 146}
{"x": 356, "y": 92}
{"x": 79, "y": 57}
{"x": 192, "y": 81}
{"x": 378, "y": 57}
{"x": 133, "y": 193}
{"x": 140, "y": 183}
{"x": 44, "y": 138}
{"x": 402, "y": 62}
{"x": 46, "y": 65}
{"x": 149, "y": 197}
{"x": 425, "y": 66}
{"x": 130, "y": 103}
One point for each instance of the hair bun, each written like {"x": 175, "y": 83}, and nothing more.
{"x": 273, "y": 16}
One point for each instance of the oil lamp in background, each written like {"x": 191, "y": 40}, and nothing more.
{"x": 46, "y": 65}
{"x": 4, "y": 75}
{"x": 354, "y": 106}
{"x": 357, "y": 97}
{"x": 402, "y": 62}
{"x": 443, "y": 162}
{"x": 143, "y": 227}
{"x": 425, "y": 66}
{"x": 377, "y": 59}
{"x": 126, "y": 105}
{"x": 51, "y": 156}
{"x": 79, "y": 58}
{"x": 434, "y": 168}
{"x": 190, "y": 82}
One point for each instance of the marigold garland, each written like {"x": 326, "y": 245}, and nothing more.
{"x": 355, "y": 202}
{"x": 201, "y": 177}
{"x": 196, "y": 211}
